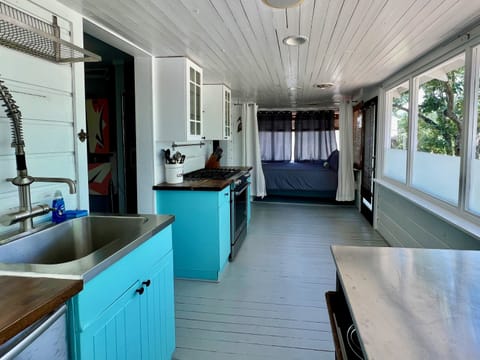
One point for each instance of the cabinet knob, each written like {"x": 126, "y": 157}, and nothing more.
{"x": 140, "y": 291}
{"x": 147, "y": 283}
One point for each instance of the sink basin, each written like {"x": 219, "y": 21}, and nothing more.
{"x": 70, "y": 240}
{"x": 79, "y": 248}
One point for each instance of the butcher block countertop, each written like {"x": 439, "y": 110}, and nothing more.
{"x": 24, "y": 300}
{"x": 412, "y": 303}
{"x": 199, "y": 185}
{"x": 203, "y": 184}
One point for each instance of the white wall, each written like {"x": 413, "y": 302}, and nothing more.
{"x": 144, "y": 130}
{"x": 51, "y": 99}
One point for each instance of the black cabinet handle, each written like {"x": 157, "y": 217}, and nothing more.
{"x": 147, "y": 283}
{"x": 140, "y": 291}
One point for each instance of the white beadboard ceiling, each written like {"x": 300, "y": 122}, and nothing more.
{"x": 352, "y": 43}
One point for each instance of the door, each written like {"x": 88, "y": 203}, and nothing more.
{"x": 368, "y": 167}
{"x": 110, "y": 114}
{"x": 115, "y": 334}
{"x": 158, "y": 313}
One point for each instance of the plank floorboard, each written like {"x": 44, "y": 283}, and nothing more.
{"x": 270, "y": 301}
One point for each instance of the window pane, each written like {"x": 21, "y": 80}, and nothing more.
{"x": 474, "y": 189}
{"x": 436, "y": 167}
{"x": 197, "y": 104}
{"x": 398, "y": 102}
{"x": 192, "y": 74}
{"x": 192, "y": 101}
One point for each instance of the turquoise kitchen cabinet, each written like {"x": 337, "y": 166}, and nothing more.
{"x": 159, "y": 311}
{"x": 127, "y": 311}
{"x": 201, "y": 232}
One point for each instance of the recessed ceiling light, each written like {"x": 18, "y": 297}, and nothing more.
{"x": 282, "y": 4}
{"x": 295, "y": 40}
{"x": 323, "y": 85}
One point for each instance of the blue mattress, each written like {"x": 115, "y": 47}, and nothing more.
{"x": 298, "y": 177}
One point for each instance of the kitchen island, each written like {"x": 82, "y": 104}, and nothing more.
{"x": 407, "y": 303}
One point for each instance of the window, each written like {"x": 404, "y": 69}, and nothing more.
{"x": 397, "y": 107}
{"x": 314, "y": 135}
{"x": 432, "y": 133}
{"x": 440, "y": 112}
{"x": 296, "y": 136}
{"x": 473, "y": 204}
{"x": 275, "y": 135}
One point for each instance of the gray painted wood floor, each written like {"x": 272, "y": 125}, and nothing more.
{"x": 270, "y": 302}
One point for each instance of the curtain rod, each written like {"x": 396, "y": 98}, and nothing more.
{"x": 300, "y": 109}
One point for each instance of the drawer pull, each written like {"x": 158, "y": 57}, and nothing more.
{"x": 147, "y": 283}
{"x": 140, "y": 291}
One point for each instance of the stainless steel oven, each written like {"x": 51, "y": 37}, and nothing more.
{"x": 238, "y": 214}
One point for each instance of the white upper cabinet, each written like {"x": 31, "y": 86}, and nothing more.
{"x": 217, "y": 112}
{"x": 179, "y": 99}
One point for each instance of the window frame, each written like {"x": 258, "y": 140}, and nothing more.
{"x": 388, "y": 106}
{"x": 460, "y": 213}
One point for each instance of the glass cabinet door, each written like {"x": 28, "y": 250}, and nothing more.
{"x": 228, "y": 120}
{"x": 195, "y": 128}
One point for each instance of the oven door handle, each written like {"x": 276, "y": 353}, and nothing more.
{"x": 239, "y": 192}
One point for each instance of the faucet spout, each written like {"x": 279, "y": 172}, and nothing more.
{"x": 72, "y": 186}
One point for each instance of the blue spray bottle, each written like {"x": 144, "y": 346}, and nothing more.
{"x": 58, "y": 208}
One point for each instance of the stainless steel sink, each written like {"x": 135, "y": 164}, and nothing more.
{"x": 78, "y": 248}
{"x": 71, "y": 240}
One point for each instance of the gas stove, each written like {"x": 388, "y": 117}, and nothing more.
{"x": 214, "y": 174}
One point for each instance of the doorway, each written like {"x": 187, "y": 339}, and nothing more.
{"x": 369, "y": 116}
{"x": 110, "y": 113}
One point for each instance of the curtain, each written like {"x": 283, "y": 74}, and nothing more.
{"x": 314, "y": 135}
{"x": 252, "y": 149}
{"x": 275, "y": 134}
{"x": 346, "y": 183}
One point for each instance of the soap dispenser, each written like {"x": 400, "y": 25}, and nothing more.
{"x": 58, "y": 208}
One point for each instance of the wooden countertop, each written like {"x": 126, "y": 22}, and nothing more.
{"x": 24, "y": 300}
{"x": 199, "y": 185}
{"x": 203, "y": 184}
{"x": 412, "y": 303}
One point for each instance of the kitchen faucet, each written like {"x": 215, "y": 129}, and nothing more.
{"x": 26, "y": 211}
